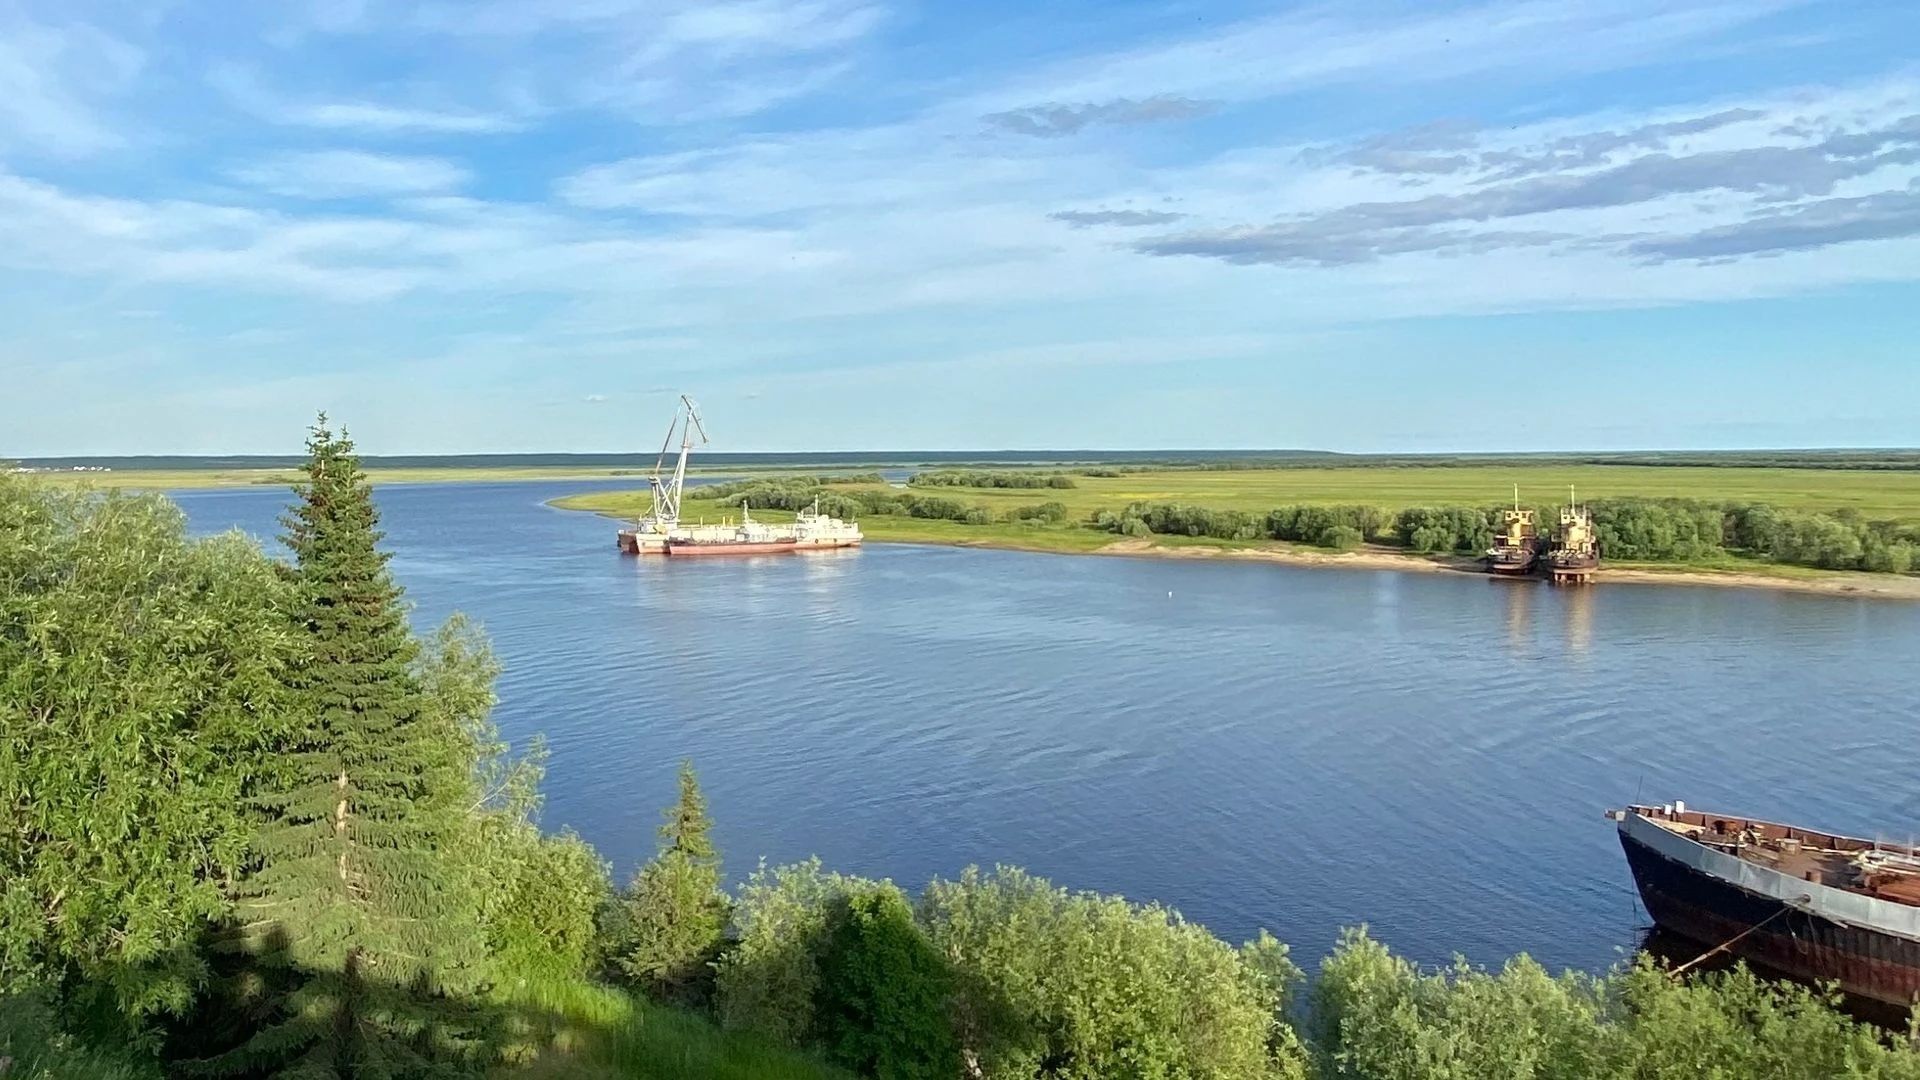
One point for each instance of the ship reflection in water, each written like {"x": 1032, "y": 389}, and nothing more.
{"x": 1571, "y": 608}
{"x": 1579, "y": 619}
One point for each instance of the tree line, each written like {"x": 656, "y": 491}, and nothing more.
{"x": 969, "y": 478}
{"x": 803, "y": 493}
{"x": 1650, "y": 530}
{"x": 252, "y": 825}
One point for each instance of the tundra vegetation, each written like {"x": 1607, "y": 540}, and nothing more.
{"x": 253, "y": 825}
{"x": 1852, "y": 516}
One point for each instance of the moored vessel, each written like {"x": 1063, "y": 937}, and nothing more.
{"x": 1574, "y": 555}
{"x": 814, "y": 530}
{"x": 1807, "y": 904}
{"x": 650, "y": 533}
{"x": 660, "y": 531}
{"x": 1516, "y": 542}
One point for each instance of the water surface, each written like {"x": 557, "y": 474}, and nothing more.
{"x": 1255, "y": 744}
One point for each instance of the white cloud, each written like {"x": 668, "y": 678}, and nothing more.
{"x": 243, "y": 87}
{"x": 1257, "y": 59}
{"x": 52, "y": 80}
{"x": 368, "y": 116}
{"x": 333, "y": 174}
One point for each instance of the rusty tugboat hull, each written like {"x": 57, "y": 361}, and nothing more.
{"x": 1809, "y": 905}
{"x": 1513, "y": 562}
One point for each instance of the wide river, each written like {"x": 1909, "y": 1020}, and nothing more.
{"x": 1254, "y": 744}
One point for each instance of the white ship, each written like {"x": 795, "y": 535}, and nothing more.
{"x": 660, "y": 531}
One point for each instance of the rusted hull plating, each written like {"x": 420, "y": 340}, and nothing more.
{"x": 1778, "y": 934}
{"x": 771, "y": 547}
{"x": 1512, "y": 563}
{"x": 1579, "y": 570}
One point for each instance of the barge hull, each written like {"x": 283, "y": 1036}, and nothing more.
{"x": 772, "y": 547}
{"x": 1778, "y": 934}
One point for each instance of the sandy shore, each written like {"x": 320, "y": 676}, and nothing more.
{"x": 1836, "y": 583}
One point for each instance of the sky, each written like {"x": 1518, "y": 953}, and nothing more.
{"x": 527, "y": 225}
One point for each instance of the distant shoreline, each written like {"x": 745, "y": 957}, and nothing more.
{"x": 1822, "y": 583}
{"x": 1839, "y": 583}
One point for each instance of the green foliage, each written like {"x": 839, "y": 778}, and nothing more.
{"x": 596, "y": 1032}
{"x": 538, "y": 896}
{"x": 1177, "y": 519}
{"x": 975, "y": 479}
{"x": 1339, "y": 527}
{"x": 883, "y": 992}
{"x": 355, "y": 912}
{"x": 1444, "y": 529}
{"x": 1377, "y": 1017}
{"x": 1046, "y": 513}
{"x": 1056, "y": 984}
{"x": 136, "y": 665}
{"x": 1659, "y": 529}
{"x": 675, "y": 911}
{"x": 33, "y": 1047}
{"x": 768, "y": 983}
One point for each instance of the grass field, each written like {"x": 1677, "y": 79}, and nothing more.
{"x": 1894, "y": 495}
{"x": 1885, "y": 494}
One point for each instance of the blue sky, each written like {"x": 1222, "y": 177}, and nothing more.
{"x": 516, "y": 225}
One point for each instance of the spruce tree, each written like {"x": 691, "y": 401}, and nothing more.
{"x": 355, "y": 923}
{"x": 674, "y": 909}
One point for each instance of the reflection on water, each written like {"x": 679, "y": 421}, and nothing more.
{"x": 1578, "y": 601}
{"x": 1519, "y": 604}
{"x": 1255, "y": 744}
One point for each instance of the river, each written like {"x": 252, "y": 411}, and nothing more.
{"x": 1254, "y": 744}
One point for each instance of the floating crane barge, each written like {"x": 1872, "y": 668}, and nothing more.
{"x": 660, "y": 531}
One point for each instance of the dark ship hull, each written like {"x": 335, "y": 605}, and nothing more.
{"x": 1513, "y": 562}
{"x": 1572, "y": 568}
{"x": 1868, "y": 944}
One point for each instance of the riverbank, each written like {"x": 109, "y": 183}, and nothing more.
{"x": 1079, "y": 540}
{"x": 1790, "y": 579}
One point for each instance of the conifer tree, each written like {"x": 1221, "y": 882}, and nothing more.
{"x": 352, "y": 915}
{"x": 674, "y": 909}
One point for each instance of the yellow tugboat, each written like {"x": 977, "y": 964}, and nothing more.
{"x": 1575, "y": 553}
{"x": 1516, "y": 543}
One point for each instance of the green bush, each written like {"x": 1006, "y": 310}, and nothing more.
{"x": 1081, "y": 987}
{"x": 1318, "y": 525}
{"x": 1050, "y": 513}
{"x": 674, "y": 911}
{"x": 1177, "y": 519}
{"x": 33, "y": 1047}
{"x": 1343, "y": 538}
{"x": 1377, "y": 1017}
{"x": 976, "y": 479}
{"x": 1463, "y": 530}
{"x": 883, "y": 992}
{"x": 141, "y": 689}
{"x": 768, "y": 982}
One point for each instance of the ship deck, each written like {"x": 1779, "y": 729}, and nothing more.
{"x": 1868, "y": 868}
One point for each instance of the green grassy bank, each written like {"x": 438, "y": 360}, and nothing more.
{"x": 1875, "y": 495}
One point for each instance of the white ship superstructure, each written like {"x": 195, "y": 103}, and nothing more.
{"x": 660, "y": 532}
